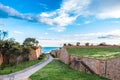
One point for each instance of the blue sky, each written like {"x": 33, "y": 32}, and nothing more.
{"x": 54, "y": 22}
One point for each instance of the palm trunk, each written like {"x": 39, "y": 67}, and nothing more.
{"x": 3, "y": 38}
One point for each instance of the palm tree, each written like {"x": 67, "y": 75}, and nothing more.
{"x": 3, "y": 34}
{"x": 0, "y": 34}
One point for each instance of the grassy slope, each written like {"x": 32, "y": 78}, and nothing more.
{"x": 99, "y": 53}
{"x": 57, "y": 70}
{"x": 22, "y": 65}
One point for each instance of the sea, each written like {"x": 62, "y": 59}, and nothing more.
{"x": 48, "y": 49}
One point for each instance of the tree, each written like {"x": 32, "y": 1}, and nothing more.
{"x": 87, "y": 44}
{"x": 102, "y": 44}
{"x": 6, "y": 47}
{"x": 14, "y": 53}
{"x": 0, "y": 34}
{"x": 12, "y": 50}
{"x": 25, "y": 52}
{"x": 1, "y": 44}
{"x": 30, "y": 42}
{"x": 69, "y": 44}
{"x": 3, "y": 34}
{"x": 78, "y": 44}
{"x": 64, "y": 44}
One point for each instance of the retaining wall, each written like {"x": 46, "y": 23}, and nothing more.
{"x": 113, "y": 68}
{"x": 108, "y": 68}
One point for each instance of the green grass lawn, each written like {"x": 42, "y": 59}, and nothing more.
{"x": 56, "y": 70}
{"x": 22, "y": 65}
{"x": 99, "y": 53}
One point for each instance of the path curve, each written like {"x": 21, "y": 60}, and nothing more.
{"x": 23, "y": 74}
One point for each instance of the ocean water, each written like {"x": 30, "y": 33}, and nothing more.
{"x": 48, "y": 49}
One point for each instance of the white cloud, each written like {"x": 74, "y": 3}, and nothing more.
{"x": 107, "y": 9}
{"x": 2, "y": 24}
{"x": 70, "y": 10}
{"x": 116, "y": 22}
{"x": 56, "y": 42}
{"x": 46, "y": 21}
{"x": 46, "y": 33}
{"x": 115, "y": 13}
{"x": 57, "y": 29}
{"x": 63, "y": 20}
{"x": 68, "y": 13}
{"x": 87, "y": 22}
{"x": 6, "y": 12}
{"x": 43, "y": 5}
{"x": 112, "y": 37}
{"x": 18, "y": 32}
{"x": 97, "y": 34}
{"x": 78, "y": 24}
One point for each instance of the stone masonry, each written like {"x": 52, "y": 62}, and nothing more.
{"x": 108, "y": 68}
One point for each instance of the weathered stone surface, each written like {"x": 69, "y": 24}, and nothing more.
{"x": 64, "y": 56}
{"x": 113, "y": 69}
{"x": 102, "y": 68}
{"x": 34, "y": 54}
{"x": 55, "y": 53}
{"x": 108, "y": 68}
{"x": 93, "y": 64}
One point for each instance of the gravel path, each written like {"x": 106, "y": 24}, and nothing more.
{"x": 24, "y": 74}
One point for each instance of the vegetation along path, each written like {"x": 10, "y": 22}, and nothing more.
{"x": 57, "y": 70}
{"x": 26, "y": 72}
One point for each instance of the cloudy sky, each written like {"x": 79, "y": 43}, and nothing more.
{"x": 54, "y": 22}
